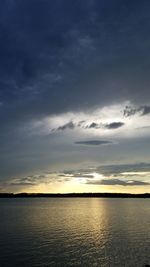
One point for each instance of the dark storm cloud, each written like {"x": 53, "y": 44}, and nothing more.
{"x": 93, "y": 142}
{"x": 118, "y": 182}
{"x": 62, "y": 55}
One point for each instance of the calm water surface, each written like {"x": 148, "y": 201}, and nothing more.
{"x": 74, "y": 232}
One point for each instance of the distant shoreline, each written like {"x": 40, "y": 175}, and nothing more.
{"x": 73, "y": 195}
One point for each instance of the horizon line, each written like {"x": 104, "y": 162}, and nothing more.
{"x": 65, "y": 195}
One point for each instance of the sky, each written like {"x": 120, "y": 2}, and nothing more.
{"x": 75, "y": 96}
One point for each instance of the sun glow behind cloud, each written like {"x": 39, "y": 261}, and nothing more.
{"x": 108, "y": 178}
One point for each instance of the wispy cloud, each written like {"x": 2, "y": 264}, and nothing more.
{"x": 121, "y": 174}
{"x": 121, "y": 168}
{"x": 94, "y": 142}
{"x": 34, "y": 180}
{"x": 117, "y": 182}
{"x": 77, "y": 175}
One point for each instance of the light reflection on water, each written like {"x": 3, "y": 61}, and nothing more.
{"x": 74, "y": 232}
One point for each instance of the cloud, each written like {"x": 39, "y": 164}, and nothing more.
{"x": 94, "y": 142}
{"x": 48, "y": 178}
{"x": 121, "y": 174}
{"x": 118, "y": 182}
{"x": 77, "y": 171}
{"x": 146, "y": 110}
{"x": 77, "y": 175}
{"x": 25, "y": 181}
{"x": 112, "y": 170}
{"x": 80, "y": 123}
{"x": 33, "y": 180}
{"x": 144, "y": 127}
{"x": 131, "y": 111}
{"x": 114, "y": 125}
{"x": 70, "y": 125}
{"x": 111, "y": 175}
{"x": 121, "y": 168}
{"x": 109, "y": 126}
{"x": 93, "y": 125}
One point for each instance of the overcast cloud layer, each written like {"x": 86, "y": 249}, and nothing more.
{"x": 74, "y": 85}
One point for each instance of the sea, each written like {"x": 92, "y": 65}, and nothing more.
{"x": 90, "y": 232}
